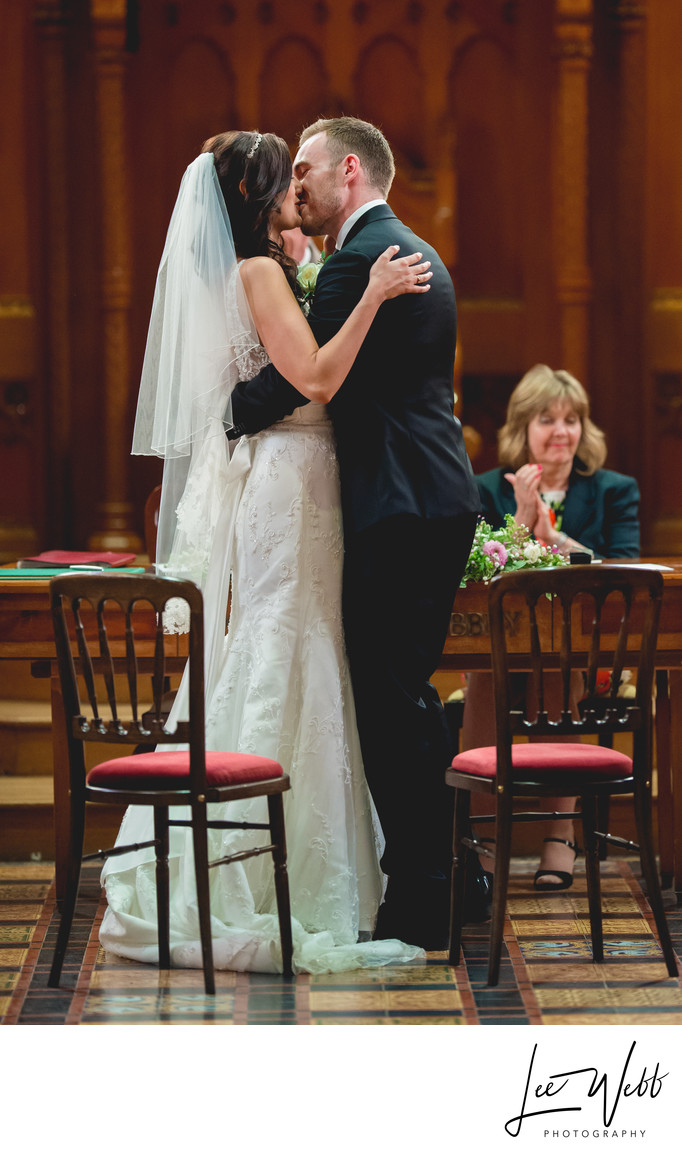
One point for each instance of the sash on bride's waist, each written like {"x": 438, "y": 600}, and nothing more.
{"x": 322, "y": 427}
{"x": 222, "y": 504}
{"x": 216, "y": 590}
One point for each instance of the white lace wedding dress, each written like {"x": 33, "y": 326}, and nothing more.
{"x": 282, "y": 690}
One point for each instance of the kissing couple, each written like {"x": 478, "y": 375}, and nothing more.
{"x": 314, "y": 472}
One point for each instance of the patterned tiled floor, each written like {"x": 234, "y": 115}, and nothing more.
{"x": 547, "y": 973}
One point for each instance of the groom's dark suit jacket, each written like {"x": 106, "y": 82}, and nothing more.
{"x": 400, "y": 448}
{"x": 409, "y": 507}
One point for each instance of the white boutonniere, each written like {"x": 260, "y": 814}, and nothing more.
{"x": 307, "y": 282}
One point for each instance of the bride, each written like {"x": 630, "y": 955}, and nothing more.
{"x": 265, "y": 525}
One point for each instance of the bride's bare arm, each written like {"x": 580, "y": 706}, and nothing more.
{"x": 318, "y": 372}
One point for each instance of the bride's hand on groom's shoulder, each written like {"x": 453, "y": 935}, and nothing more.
{"x": 391, "y": 276}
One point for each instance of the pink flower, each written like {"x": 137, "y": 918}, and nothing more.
{"x": 495, "y": 551}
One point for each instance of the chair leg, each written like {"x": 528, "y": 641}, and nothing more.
{"x": 603, "y": 812}
{"x": 589, "y": 806}
{"x": 73, "y": 871}
{"x": 279, "y": 858}
{"x": 503, "y": 841}
{"x": 162, "y": 885}
{"x": 460, "y": 827}
{"x": 647, "y": 860}
{"x": 200, "y": 842}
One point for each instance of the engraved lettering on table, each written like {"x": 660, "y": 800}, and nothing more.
{"x": 475, "y": 623}
{"x": 468, "y": 623}
{"x": 457, "y": 625}
{"x": 511, "y": 622}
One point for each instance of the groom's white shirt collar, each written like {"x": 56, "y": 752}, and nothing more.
{"x": 348, "y": 224}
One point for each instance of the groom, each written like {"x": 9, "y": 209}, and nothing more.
{"x": 409, "y": 507}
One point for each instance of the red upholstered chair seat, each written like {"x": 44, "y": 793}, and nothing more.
{"x": 532, "y": 761}
{"x": 166, "y": 768}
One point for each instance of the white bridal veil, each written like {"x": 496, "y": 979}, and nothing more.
{"x": 200, "y": 333}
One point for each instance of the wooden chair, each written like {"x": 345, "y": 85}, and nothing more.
{"x": 87, "y": 605}
{"x": 616, "y": 611}
{"x": 151, "y": 521}
{"x": 152, "y": 508}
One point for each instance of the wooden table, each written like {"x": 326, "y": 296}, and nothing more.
{"x": 26, "y": 633}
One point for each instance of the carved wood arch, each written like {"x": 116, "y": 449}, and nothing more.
{"x": 488, "y": 179}
{"x": 200, "y": 98}
{"x": 389, "y": 83}
{"x": 293, "y": 87}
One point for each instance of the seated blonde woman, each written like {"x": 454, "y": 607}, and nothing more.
{"x": 551, "y": 478}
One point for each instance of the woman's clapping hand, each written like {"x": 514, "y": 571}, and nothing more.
{"x": 530, "y": 508}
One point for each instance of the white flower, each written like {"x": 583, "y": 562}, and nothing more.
{"x": 307, "y": 278}
{"x": 532, "y": 552}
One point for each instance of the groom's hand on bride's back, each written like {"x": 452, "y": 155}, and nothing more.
{"x": 259, "y": 402}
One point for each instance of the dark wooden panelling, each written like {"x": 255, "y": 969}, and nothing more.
{"x": 469, "y": 94}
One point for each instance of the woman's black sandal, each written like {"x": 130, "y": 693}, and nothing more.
{"x": 565, "y": 879}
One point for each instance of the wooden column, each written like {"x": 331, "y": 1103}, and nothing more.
{"x": 573, "y": 283}
{"x": 20, "y": 406}
{"x": 636, "y": 435}
{"x": 633, "y": 394}
{"x": 115, "y": 513}
{"x": 52, "y": 18}
{"x": 440, "y": 132}
{"x": 662, "y": 380}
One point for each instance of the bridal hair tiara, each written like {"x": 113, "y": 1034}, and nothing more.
{"x": 256, "y": 144}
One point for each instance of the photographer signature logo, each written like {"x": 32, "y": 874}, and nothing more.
{"x": 576, "y": 1088}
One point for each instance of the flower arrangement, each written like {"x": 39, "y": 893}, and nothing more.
{"x": 507, "y": 548}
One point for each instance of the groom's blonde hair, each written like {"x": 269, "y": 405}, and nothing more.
{"x": 346, "y": 134}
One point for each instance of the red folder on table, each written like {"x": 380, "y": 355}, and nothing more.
{"x": 78, "y": 559}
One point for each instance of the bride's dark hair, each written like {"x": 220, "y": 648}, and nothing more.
{"x": 254, "y": 173}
